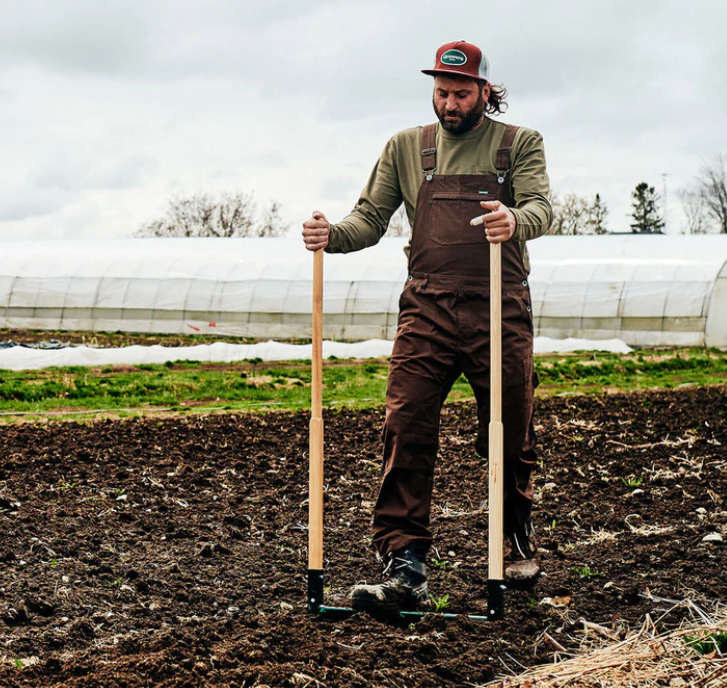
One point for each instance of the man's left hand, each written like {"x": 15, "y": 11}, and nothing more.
{"x": 500, "y": 223}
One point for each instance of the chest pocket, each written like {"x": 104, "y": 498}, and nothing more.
{"x": 450, "y": 214}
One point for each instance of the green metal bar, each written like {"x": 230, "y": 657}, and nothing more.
{"x": 345, "y": 612}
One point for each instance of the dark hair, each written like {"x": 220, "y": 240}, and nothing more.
{"x": 497, "y": 100}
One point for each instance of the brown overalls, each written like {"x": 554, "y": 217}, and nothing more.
{"x": 443, "y": 331}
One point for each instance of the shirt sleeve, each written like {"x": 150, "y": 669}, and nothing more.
{"x": 379, "y": 200}
{"x": 531, "y": 188}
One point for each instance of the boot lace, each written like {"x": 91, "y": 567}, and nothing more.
{"x": 395, "y": 564}
{"x": 527, "y": 531}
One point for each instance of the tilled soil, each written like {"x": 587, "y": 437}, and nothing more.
{"x": 173, "y": 552}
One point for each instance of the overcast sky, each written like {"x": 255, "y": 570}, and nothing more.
{"x": 110, "y": 107}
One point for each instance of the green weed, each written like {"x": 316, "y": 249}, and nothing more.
{"x": 586, "y": 572}
{"x": 440, "y": 603}
{"x": 713, "y": 642}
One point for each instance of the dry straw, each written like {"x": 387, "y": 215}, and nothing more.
{"x": 692, "y": 656}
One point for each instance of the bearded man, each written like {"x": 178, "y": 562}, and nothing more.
{"x": 446, "y": 174}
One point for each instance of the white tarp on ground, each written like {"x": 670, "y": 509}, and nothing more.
{"x": 21, "y": 358}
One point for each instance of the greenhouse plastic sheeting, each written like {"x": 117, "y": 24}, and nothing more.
{"x": 22, "y": 358}
{"x": 647, "y": 290}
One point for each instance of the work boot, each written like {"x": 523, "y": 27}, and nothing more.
{"x": 522, "y": 563}
{"x": 404, "y": 586}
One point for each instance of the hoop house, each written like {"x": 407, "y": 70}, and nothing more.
{"x": 645, "y": 290}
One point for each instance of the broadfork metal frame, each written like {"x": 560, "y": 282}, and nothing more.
{"x": 495, "y": 583}
{"x": 495, "y": 603}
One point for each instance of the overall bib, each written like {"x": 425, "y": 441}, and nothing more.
{"x": 443, "y": 331}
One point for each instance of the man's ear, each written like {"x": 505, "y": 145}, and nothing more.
{"x": 486, "y": 91}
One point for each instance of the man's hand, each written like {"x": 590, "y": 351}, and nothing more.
{"x": 316, "y": 231}
{"x": 500, "y": 223}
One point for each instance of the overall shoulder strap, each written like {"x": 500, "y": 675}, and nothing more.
{"x": 502, "y": 162}
{"x": 429, "y": 150}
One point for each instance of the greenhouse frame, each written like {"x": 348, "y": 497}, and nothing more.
{"x": 648, "y": 290}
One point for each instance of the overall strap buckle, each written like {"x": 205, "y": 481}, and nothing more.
{"x": 429, "y": 151}
{"x": 502, "y": 162}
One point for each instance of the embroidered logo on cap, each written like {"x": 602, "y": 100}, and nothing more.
{"x": 456, "y": 58}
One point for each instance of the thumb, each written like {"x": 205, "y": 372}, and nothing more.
{"x": 490, "y": 205}
{"x": 318, "y": 215}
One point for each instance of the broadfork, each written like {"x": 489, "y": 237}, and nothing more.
{"x": 495, "y": 581}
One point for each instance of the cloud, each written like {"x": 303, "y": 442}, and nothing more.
{"x": 23, "y": 203}
{"x": 341, "y": 187}
{"x": 107, "y": 109}
{"x": 75, "y": 36}
{"x": 74, "y": 175}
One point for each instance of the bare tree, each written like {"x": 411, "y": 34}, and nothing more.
{"x": 232, "y": 214}
{"x": 695, "y": 211}
{"x": 570, "y": 215}
{"x": 399, "y": 224}
{"x": 712, "y": 188}
{"x": 272, "y": 224}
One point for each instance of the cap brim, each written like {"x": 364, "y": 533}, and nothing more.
{"x": 434, "y": 72}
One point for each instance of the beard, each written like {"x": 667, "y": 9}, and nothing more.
{"x": 467, "y": 120}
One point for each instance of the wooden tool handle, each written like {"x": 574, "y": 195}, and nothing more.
{"x": 495, "y": 558}
{"x": 315, "y": 478}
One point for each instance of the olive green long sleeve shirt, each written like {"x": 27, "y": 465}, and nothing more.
{"x": 397, "y": 176}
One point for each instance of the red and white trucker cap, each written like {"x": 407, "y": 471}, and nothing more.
{"x": 460, "y": 57}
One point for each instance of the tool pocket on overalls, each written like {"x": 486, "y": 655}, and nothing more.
{"x": 451, "y": 212}
{"x": 405, "y": 293}
{"x": 523, "y": 312}
{"x": 517, "y": 386}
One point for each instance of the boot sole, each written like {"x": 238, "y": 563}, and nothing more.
{"x": 522, "y": 583}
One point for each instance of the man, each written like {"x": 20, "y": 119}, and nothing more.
{"x": 446, "y": 174}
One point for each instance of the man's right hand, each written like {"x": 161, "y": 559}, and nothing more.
{"x": 316, "y": 231}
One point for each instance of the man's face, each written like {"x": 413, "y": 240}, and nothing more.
{"x": 459, "y": 103}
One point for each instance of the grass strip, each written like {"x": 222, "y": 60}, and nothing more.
{"x": 185, "y": 386}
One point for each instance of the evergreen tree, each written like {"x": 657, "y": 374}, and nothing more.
{"x": 597, "y": 215}
{"x": 645, "y": 202}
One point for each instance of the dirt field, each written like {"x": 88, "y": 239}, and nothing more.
{"x": 173, "y": 552}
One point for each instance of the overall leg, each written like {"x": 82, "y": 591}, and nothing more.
{"x": 517, "y": 396}
{"x": 519, "y": 454}
{"x": 518, "y": 408}
{"x": 423, "y": 369}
